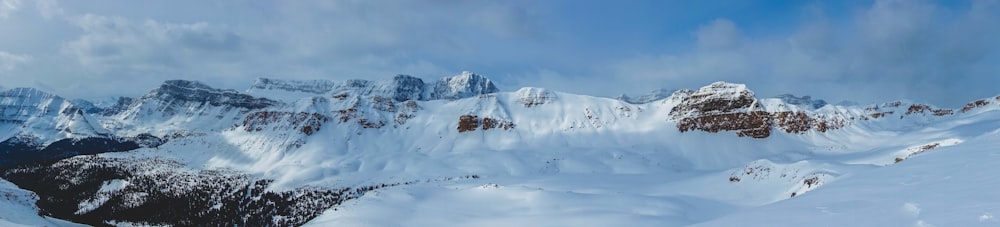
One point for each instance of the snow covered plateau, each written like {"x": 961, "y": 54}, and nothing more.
{"x": 458, "y": 151}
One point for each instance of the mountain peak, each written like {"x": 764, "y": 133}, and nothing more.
{"x": 26, "y": 92}
{"x": 464, "y": 85}
{"x": 189, "y": 84}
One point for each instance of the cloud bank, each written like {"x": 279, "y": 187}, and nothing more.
{"x": 940, "y": 52}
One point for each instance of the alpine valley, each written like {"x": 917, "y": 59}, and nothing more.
{"x": 459, "y": 151}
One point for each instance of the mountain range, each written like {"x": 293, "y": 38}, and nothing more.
{"x": 458, "y": 151}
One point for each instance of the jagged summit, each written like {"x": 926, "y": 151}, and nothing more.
{"x": 464, "y": 85}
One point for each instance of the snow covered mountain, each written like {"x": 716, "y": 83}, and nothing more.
{"x": 458, "y": 151}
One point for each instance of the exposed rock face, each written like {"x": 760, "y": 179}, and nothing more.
{"x": 407, "y": 87}
{"x": 716, "y": 98}
{"x": 793, "y": 122}
{"x": 530, "y": 96}
{"x": 756, "y": 124}
{"x": 723, "y": 106}
{"x": 305, "y": 123}
{"x": 176, "y": 93}
{"x": 468, "y": 123}
{"x": 802, "y": 122}
{"x": 974, "y": 104}
{"x": 186, "y": 101}
{"x": 922, "y": 109}
{"x": 917, "y": 108}
{"x": 491, "y": 123}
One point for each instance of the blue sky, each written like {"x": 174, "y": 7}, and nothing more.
{"x": 942, "y": 52}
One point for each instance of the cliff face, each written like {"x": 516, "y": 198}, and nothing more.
{"x": 177, "y": 93}
{"x": 723, "y": 106}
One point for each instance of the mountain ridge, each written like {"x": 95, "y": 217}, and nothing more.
{"x": 357, "y": 134}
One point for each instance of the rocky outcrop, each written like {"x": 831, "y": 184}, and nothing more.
{"x": 923, "y": 109}
{"x": 975, "y": 104}
{"x": 716, "y": 98}
{"x": 723, "y": 106}
{"x": 492, "y": 123}
{"x": 468, "y": 123}
{"x": 802, "y": 122}
{"x": 917, "y": 108}
{"x": 756, "y": 124}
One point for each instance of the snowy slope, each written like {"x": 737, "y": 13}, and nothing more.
{"x": 540, "y": 157}
{"x": 685, "y": 197}
{"x": 951, "y": 186}
{"x": 17, "y": 208}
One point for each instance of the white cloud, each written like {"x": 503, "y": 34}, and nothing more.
{"x": 8, "y": 7}
{"x": 720, "y": 33}
{"x": 293, "y": 39}
{"x": 890, "y": 49}
{"x": 894, "y": 49}
{"x": 116, "y": 43}
{"x": 49, "y": 9}
{"x": 9, "y": 61}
